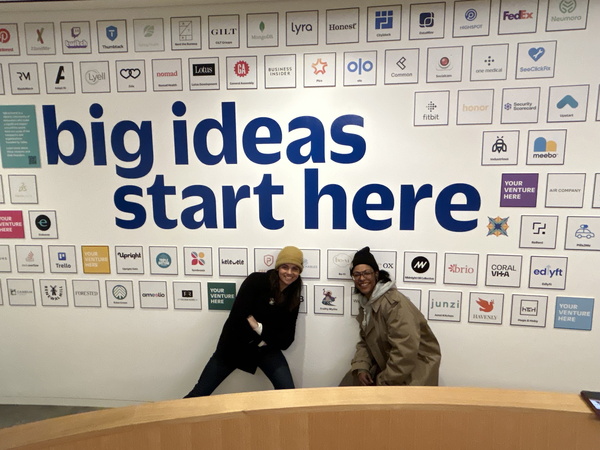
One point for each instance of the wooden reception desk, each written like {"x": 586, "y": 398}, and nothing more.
{"x": 328, "y": 418}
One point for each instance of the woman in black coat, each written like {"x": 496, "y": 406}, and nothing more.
{"x": 261, "y": 324}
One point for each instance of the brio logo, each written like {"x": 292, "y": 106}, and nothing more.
{"x": 455, "y": 268}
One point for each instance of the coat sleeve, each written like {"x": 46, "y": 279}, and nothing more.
{"x": 280, "y": 333}
{"x": 241, "y": 309}
{"x": 362, "y": 359}
{"x": 403, "y": 338}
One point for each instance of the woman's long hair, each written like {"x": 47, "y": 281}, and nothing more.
{"x": 290, "y": 296}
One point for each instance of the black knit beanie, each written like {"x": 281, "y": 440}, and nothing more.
{"x": 364, "y": 256}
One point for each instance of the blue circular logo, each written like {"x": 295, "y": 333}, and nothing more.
{"x": 163, "y": 260}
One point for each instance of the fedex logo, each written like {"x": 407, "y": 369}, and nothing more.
{"x": 522, "y": 14}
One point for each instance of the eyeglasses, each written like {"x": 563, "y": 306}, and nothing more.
{"x": 364, "y": 273}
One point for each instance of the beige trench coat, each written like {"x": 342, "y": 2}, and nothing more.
{"x": 397, "y": 346}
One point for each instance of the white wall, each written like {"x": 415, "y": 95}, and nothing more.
{"x": 109, "y": 356}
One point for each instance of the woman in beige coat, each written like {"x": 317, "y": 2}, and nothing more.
{"x": 396, "y": 345}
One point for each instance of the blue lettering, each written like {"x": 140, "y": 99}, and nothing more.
{"x": 228, "y": 134}
{"x": 250, "y": 140}
{"x": 137, "y": 210}
{"x": 355, "y": 141}
{"x": 315, "y": 141}
{"x": 360, "y": 206}
{"x": 444, "y": 207}
{"x": 312, "y": 196}
{"x": 208, "y": 206}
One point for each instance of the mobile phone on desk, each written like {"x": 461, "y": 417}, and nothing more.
{"x": 593, "y": 400}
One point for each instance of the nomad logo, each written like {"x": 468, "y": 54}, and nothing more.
{"x": 241, "y": 68}
{"x": 130, "y": 73}
{"x": 420, "y": 264}
{"x": 163, "y": 260}
{"x": 319, "y": 66}
{"x": 94, "y": 76}
{"x": 522, "y": 14}
{"x": 119, "y": 292}
{"x": 43, "y": 222}
{"x": 53, "y": 292}
{"x": 426, "y": 20}
{"x": 202, "y": 70}
{"x": 384, "y": 20}
{"x": 4, "y": 36}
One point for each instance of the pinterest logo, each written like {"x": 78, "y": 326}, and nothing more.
{"x": 4, "y": 35}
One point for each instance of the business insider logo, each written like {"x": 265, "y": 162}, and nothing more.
{"x": 203, "y": 70}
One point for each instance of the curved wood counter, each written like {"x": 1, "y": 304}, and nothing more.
{"x": 328, "y": 418}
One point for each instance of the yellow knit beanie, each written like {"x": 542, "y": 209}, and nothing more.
{"x": 290, "y": 255}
